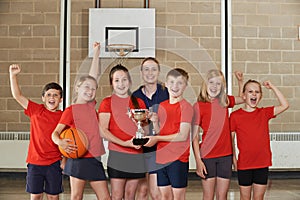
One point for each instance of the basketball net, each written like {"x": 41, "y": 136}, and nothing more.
{"x": 120, "y": 51}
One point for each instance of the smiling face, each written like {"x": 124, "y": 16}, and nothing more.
{"x": 252, "y": 94}
{"x": 214, "y": 86}
{"x": 150, "y": 72}
{"x": 52, "y": 98}
{"x": 86, "y": 91}
{"x": 176, "y": 86}
{"x": 121, "y": 83}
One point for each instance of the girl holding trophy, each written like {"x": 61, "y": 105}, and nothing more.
{"x": 125, "y": 164}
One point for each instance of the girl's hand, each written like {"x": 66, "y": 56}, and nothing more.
{"x": 96, "y": 47}
{"x": 234, "y": 163}
{"x": 67, "y": 146}
{"x": 129, "y": 143}
{"x": 239, "y": 75}
{"x": 268, "y": 84}
{"x": 201, "y": 169}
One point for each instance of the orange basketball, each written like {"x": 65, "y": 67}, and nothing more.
{"x": 78, "y": 138}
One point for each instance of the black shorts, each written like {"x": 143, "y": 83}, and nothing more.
{"x": 249, "y": 176}
{"x": 218, "y": 167}
{"x": 90, "y": 169}
{"x": 125, "y": 165}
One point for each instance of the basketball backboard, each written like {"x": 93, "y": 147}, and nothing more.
{"x": 123, "y": 26}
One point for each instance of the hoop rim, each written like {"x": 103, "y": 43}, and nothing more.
{"x": 121, "y": 50}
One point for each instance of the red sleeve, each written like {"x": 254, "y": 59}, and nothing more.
{"x": 232, "y": 121}
{"x": 105, "y": 105}
{"x": 33, "y": 108}
{"x": 67, "y": 117}
{"x": 196, "y": 118}
{"x": 141, "y": 103}
{"x": 231, "y": 100}
{"x": 187, "y": 112}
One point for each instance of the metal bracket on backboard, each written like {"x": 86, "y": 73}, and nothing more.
{"x": 98, "y": 3}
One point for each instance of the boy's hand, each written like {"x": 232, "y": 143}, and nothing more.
{"x": 151, "y": 142}
{"x": 239, "y": 75}
{"x": 14, "y": 69}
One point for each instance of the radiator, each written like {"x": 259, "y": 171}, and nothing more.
{"x": 285, "y": 150}
{"x": 13, "y": 147}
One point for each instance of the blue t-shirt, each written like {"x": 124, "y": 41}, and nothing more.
{"x": 159, "y": 96}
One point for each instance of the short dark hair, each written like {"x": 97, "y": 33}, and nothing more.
{"x": 52, "y": 85}
{"x": 178, "y": 72}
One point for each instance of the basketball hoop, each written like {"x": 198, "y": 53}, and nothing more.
{"x": 120, "y": 50}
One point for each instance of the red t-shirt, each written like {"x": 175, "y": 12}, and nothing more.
{"x": 120, "y": 125}
{"x": 170, "y": 116}
{"x": 85, "y": 118}
{"x": 214, "y": 121}
{"x": 42, "y": 150}
{"x": 253, "y": 139}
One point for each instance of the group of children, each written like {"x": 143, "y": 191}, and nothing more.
{"x": 162, "y": 164}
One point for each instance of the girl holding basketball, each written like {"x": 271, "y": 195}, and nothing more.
{"x": 125, "y": 165}
{"x": 82, "y": 115}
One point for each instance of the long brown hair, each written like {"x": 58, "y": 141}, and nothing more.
{"x": 120, "y": 67}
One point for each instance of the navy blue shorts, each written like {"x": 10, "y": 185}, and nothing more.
{"x": 218, "y": 167}
{"x": 42, "y": 179}
{"x": 174, "y": 174}
{"x": 249, "y": 176}
{"x": 90, "y": 169}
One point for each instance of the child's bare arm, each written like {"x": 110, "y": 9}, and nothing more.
{"x": 200, "y": 166}
{"x": 282, "y": 100}
{"x": 240, "y": 78}
{"x": 95, "y": 69}
{"x": 234, "y": 159}
{"x": 14, "y": 70}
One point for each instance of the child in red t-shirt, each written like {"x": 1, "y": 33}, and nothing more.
{"x": 173, "y": 125}
{"x": 250, "y": 125}
{"x": 213, "y": 155}
{"x": 82, "y": 115}
{"x": 125, "y": 164}
{"x": 43, "y": 155}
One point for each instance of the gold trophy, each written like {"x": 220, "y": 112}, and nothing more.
{"x": 139, "y": 115}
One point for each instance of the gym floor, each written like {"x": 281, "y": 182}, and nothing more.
{"x": 281, "y": 186}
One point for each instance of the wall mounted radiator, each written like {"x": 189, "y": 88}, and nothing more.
{"x": 285, "y": 149}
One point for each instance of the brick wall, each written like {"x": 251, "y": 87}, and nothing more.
{"x": 265, "y": 46}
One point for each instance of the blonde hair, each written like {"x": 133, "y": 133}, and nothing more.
{"x": 79, "y": 82}
{"x": 203, "y": 95}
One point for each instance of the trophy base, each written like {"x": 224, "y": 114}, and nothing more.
{"x": 140, "y": 141}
